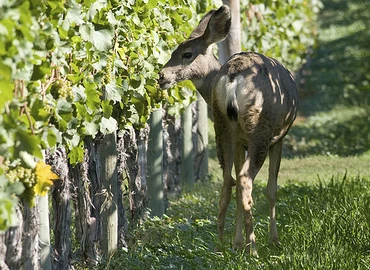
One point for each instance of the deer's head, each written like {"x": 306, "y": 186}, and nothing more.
{"x": 191, "y": 60}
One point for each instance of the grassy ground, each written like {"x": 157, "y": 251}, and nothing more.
{"x": 322, "y": 226}
{"x": 324, "y": 192}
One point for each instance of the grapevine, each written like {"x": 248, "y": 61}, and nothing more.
{"x": 69, "y": 71}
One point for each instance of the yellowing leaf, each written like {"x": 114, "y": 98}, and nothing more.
{"x": 44, "y": 178}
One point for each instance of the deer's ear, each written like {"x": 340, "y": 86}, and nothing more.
{"x": 199, "y": 30}
{"x": 218, "y": 26}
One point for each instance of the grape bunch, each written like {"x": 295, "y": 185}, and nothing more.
{"x": 164, "y": 95}
{"x": 27, "y": 177}
{"x": 66, "y": 91}
{"x": 21, "y": 174}
{"x": 108, "y": 77}
{"x": 61, "y": 89}
{"x": 48, "y": 107}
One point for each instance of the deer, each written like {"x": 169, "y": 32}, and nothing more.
{"x": 254, "y": 102}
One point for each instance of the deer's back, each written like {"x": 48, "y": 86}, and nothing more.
{"x": 264, "y": 91}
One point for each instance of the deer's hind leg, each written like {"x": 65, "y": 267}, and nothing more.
{"x": 274, "y": 166}
{"x": 247, "y": 170}
{"x": 225, "y": 153}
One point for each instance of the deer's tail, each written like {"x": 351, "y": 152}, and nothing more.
{"x": 232, "y": 103}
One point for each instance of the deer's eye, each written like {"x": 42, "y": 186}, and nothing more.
{"x": 187, "y": 55}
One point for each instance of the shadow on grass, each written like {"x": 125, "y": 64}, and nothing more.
{"x": 339, "y": 78}
{"x": 344, "y": 132}
{"x": 341, "y": 12}
{"x": 340, "y": 67}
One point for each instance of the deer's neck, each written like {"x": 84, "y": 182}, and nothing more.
{"x": 204, "y": 84}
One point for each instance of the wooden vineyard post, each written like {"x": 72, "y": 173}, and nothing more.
{"x": 187, "y": 159}
{"x": 107, "y": 151}
{"x": 231, "y": 44}
{"x": 155, "y": 164}
{"x": 202, "y": 139}
{"x": 44, "y": 231}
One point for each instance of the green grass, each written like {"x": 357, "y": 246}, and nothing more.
{"x": 324, "y": 182}
{"x": 341, "y": 131}
{"x": 321, "y": 225}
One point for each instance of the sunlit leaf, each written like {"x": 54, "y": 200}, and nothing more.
{"x": 76, "y": 154}
{"x": 44, "y": 178}
{"x": 108, "y": 125}
{"x": 92, "y": 97}
{"x": 91, "y": 128}
{"x": 113, "y": 92}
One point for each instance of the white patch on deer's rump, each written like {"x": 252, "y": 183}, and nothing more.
{"x": 225, "y": 91}
{"x": 246, "y": 92}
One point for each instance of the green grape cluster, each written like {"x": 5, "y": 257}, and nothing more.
{"x": 27, "y": 177}
{"x": 66, "y": 91}
{"x": 108, "y": 76}
{"x": 21, "y": 174}
{"x": 48, "y": 108}
{"x": 61, "y": 89}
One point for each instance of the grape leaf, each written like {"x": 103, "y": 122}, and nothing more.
{"x": 113, "y": 92}
{"x": 108, "y": 125}
{"x": 76, "y": 154}
{"x": 27, "y": 142}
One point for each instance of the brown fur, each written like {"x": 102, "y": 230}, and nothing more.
{"x": 254, "y": 101}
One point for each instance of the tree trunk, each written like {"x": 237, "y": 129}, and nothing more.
{"x": 11, "y": 245}
{"x": 30, "y": 250}
{"x": 139, "y": 185}
{"x": 122, "y": 191}
{"x": 85, "y": 223}
{"x": 172, "y": 154}
{"x": 95, "y": 198}
{"x": 135, "y": 164}
{"x": 3, "y": 248}
{"x": 61, "y": 201}
{"x": 155, "y": 164}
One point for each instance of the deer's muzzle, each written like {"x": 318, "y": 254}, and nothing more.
{"x": 164, "y": 81}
